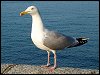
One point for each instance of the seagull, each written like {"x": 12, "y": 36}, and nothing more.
{"x": 48, "y": 40}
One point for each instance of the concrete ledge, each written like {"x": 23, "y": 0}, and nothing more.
{"x": 32, "y": 69}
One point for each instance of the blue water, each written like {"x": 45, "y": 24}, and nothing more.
{"x": 73, "y": 18}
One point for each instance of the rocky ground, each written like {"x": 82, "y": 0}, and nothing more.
{"x": 32, "y": 69}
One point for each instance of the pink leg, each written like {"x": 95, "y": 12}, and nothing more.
{"x": 55, "y": 61}
{"x": 48, "y": 63}
{"x": 55, "y": 65}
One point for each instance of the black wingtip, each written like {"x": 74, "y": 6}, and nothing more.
{"x": 82, "y": 41}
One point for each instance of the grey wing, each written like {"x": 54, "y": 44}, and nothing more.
{"x": 57, "y": 41}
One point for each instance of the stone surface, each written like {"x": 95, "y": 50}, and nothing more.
{"x": 32, "y": 69}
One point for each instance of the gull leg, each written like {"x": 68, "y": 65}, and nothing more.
{"x": 48, "y": 63}
{"x": 55, "y": 65}
{"x": 55, "y": 60}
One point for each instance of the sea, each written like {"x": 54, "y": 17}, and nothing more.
{"x": 72, "y": 18}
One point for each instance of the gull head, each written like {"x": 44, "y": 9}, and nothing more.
{"x": 30, "y": 10}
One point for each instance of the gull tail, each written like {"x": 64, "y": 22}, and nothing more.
{"x": 80, "y": 41}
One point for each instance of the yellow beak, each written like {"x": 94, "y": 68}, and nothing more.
{"x": 23, "y": 13}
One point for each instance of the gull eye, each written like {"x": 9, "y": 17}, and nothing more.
{"x": 32, "y": 8}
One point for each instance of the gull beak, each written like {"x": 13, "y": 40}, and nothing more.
{"x": 23, "y": 13}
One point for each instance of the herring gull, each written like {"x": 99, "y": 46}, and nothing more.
{"x": 50, "y": 41}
